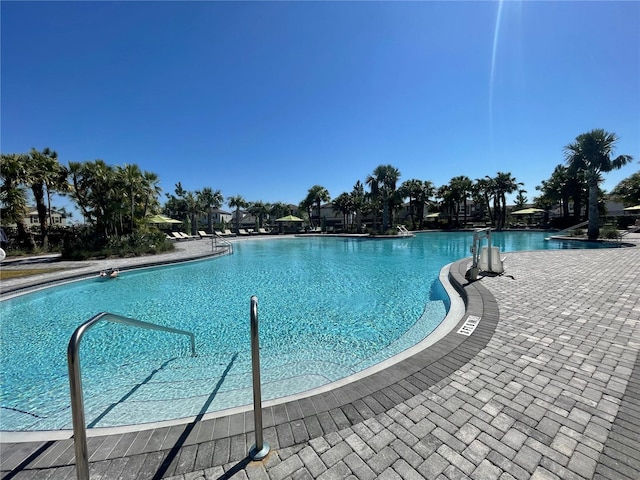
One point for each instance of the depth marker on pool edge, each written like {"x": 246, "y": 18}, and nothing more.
{"x": 469, "y": 326}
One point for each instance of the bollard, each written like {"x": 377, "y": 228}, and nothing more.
{"x": 261, "y": 448}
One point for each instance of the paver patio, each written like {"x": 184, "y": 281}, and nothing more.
{"x": 546, "y": 387}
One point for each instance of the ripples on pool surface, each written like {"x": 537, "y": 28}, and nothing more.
{"x": 328, "y": 307}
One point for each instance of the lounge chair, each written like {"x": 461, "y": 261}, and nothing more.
{"x": 203, "y": 234}
{"x": 229, "y": 233}
{"x": 186, "y": 236}
{"x": 218, "y": 233}
{"x": 263, "y": 231}
{"x": 242, "y": 231}
{"x": 177, "y": 236}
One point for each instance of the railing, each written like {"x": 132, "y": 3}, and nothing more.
{"x": 261, "y": 448}
{"x": 566, "y": 230}
{"x": 75, "y": 380}
{"x": 633, "y": 229}
{"x": 217, "y": 238}
{"x": 403, "y": 232}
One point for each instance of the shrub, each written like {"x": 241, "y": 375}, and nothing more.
{"x": 86, "y": 244}
{"x": 609, "y": 232}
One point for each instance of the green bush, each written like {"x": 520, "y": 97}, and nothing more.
{"x": 83, "y": 244}
{"x": 609, "y": 232}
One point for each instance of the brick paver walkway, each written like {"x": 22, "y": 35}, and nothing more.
{"x": 547, "y": 387}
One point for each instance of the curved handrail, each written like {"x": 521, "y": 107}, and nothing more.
{"x": 214, "y": 242}
{"x": 75, "y": 379}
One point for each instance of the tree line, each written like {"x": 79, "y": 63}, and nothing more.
{"x": 116, "y": 200}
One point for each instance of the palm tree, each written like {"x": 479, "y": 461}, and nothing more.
{"x": 13, "y": 172}
{"x": 44, "y": 174}
{"x": 426, "y": 192}
{"x": 521, "y": 199}
{"x": 237, "y": 202}
{"x": 316, "y": 195}
{"x": 591, "y": 153}
{"x": 628, "y": 190}
{"x": 481, "y": 192}
{"x": 411, "y": 189}
{"x": 382, "y": 183}
{"x": 343, "y": 204}
{"x": 358, "y": 202}
{"x": 503, "y": 184}
{"x": 209, "y": 199}
{"x": 151, "y": 190}
{"x": 133, "y": 181}
{"x": 460, "y": 187}
{"x": 447, "y": 201}
{"x": 259, "y": 210}
{"x": 279, "y": 209}
{"x": 194, "y": 208}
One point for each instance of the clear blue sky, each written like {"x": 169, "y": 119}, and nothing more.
{"x": 267, "y": 99}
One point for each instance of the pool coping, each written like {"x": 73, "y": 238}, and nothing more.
{"x": 295, "y": 421}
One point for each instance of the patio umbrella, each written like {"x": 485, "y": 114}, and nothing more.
{"x": 289, "y": 218}
{"x": 635, "y": 208}
{"x": 527, "y": 211}
{"x": 162, "y": 220}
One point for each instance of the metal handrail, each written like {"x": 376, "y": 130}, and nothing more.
{"x": 214, "y": 242}
{"x": 261, "y": 448}
{"x": 561, "y": 232}
{"x": 631, "y": 230}
{"x": 75, "y": 380}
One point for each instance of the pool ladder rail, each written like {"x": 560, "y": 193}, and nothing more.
{"x": 75, "y": 379}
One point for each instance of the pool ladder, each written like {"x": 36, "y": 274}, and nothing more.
{"x": 258, "y": 451}
{"x": 75, "y": 379}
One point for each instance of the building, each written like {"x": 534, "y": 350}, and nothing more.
{"x": 55, "y": 218}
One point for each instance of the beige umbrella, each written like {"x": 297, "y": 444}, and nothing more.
{"x": 289, "y": 218}
{"x": 162, "y": 220}
{"x": 527, "y": 211}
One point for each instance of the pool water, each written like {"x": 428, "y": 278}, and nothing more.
{"x": 328, "y": 308}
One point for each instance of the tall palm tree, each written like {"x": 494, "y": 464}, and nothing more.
{"x": 151, "y": 190}
{"x": 411, "y": 189}
{"x": 316, "y": 195}
{"x": 44, "y": 174}
{"x": 591, "y": 153}
{"x": 133, "y": 182}
{"x": 343, "y": 204}
{"x": 194, "y": 208}
{"x": 460, "y": 187}
{"x": 382, "y": 183}
{"x": 259, "y": 210}
{"x": 209, "y": 199}
{"x": 358, "y": 202}
{"x": 13, "y": 173}
{"x": 503, "y": 184}
{"x": 426, "y": 192}
{"x": 482, "y": 191}
{"x": 237, "y": 202}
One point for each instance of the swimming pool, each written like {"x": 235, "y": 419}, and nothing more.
{"x": 329, "y": 307}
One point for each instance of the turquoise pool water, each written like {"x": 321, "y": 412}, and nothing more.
{"x": 328, "y": 307}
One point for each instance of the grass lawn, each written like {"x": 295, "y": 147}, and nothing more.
{"x": 8, "y": 274}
